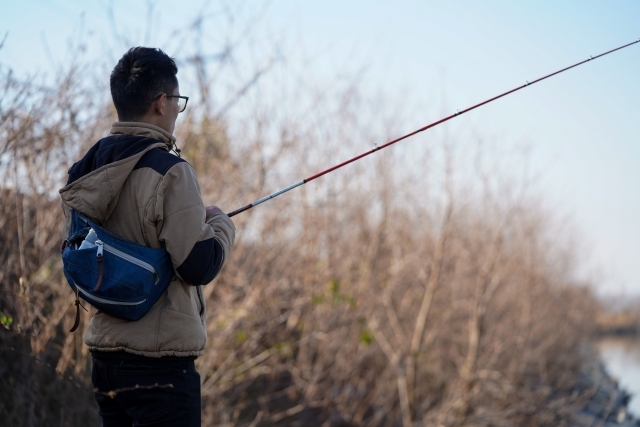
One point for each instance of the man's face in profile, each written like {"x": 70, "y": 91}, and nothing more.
{"x": 172, "y": 110}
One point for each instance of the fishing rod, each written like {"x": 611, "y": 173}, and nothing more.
{"x": 380, "y": 147}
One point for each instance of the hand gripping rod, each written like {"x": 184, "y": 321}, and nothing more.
{"x": 380, "y": 147}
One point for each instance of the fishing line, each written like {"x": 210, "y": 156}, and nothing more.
{"x": 380, "y": 147}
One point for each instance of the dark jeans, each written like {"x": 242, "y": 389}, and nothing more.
{"x": 148, "y": 391}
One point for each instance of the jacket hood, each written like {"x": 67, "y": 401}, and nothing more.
{"x": 95, "y": 181}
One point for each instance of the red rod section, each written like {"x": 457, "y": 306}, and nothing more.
{"x": 338, "y": 166}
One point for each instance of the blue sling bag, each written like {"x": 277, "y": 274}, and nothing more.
{"x": 118, "y": 277}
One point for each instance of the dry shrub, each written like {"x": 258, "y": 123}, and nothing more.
{"x": 44, "y": 367}
{"x": 462, "y": 314}
{"x": 365, "y": 298}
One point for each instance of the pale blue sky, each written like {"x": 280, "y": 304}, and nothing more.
{"x": 582, "y": 126}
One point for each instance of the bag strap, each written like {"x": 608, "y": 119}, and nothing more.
{"x": 77, "y": 303}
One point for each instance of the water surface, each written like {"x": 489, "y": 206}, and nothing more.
{"x": 621, "y": 358}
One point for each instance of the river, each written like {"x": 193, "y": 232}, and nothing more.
{"x": 621, "y": 358}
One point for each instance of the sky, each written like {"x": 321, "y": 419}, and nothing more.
{"x": 581, "y": 127}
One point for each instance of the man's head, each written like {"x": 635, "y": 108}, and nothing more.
{"x": 144, "y": 87}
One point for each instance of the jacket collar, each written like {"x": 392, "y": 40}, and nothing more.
{"x": 143, "y": 129}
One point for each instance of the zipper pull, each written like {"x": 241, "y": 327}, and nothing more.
{"x": 99, "y": 255}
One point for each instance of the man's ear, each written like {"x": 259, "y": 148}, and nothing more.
{"x": 159, "y": 105}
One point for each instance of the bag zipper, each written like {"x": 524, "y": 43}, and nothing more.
{"x": 127, "y": 257}
{"x": 87, "y": 295}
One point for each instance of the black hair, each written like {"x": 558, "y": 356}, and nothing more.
{"x": 140, "y": 75}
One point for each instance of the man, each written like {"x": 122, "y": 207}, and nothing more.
{"x": 130, "y": 183}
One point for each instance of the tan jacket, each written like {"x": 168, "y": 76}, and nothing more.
{"x": 131, "y": 184}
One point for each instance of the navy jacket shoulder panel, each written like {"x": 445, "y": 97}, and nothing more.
{"x": 159, "y": 160}
{"x": 108, "y": 150}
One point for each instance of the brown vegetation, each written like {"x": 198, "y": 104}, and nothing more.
{"x": 618, "y": 322}
{"x": 368, "y": 298}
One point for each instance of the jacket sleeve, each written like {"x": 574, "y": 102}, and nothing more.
{"x": 66, "y": 225}
{"x": 199, "y": 246}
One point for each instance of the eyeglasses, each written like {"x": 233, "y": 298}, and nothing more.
{"x": 182, "y": 101}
